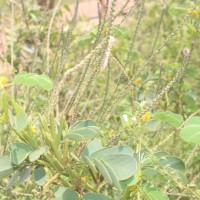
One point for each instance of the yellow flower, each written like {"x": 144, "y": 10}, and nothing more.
{"x": 33, "y": 129}
{"x": 3, "y": 80}
{"x": 84, "y": 178}
{"x": 46, "y": 169}
{"x": 140, "y": 177}
{"x": 138, "y": 81}
{"x": 146, "y": 117}
{"x": 193, "y": 12}
{"x": 3, "y": 116}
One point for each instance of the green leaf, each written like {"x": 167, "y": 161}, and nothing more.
{"x": 192, "y": 121}
{"x": 134, "y": 55}
{"x": 86, "y": 132}
{"x": 64, "y": 177}
{"x": 143, "y": 158}
{"x": 65, "y": 194}
{"x": 21, "y": 121}
{"x": 75, "y": 124}
{"x": 124, "y": 166}
{"x": 153, "y": 174}
{"x": 83, "y": 130}
{"x": 191, "y": 29}
{"x": 173, "y": 162}
{"x": 131, "y": 181}
{"x": 90, "y": 164}
{"x": 113, "y": 176}
{"x": 152, "y": 125}
{"x": 190, "y": 101}
{"x": 191, "y": 133}
{"x": 25, "y": 174}
{"x": 112, "y": 151}
{"x": 158, "y": 176}
{"x": 162, "y": 154}
{"x": 82, "y": 124}
{"x": 90, "y": 148}
{"x": 67, "y": 7}
{"x": 83, "y": 41}
{"x": 12, "y": 180}
{"x": 176, "y": 10}
{"x": 172, "y": 65}
{"x": 178, "y": 175}
{"x": 103, "y": 171}
{"x": 152, "y": 193}
{"x": 120, "y": 32}
{"x": 33, "y": 79}
{"x": 19, "y": 152}
{"x": 6, "y": 166}
{"x": 39, "y": 175}
{"x": 44, "y": 82}
{"x": 75, "y": 137}
{"x": 174, "y": 166}
{"x": 37, "y": 153}
{"x": 95, "y": 196}
{"x": 173, "y": 119}
{"x": 25, "y": 79}
{"x": 116, "y": 167}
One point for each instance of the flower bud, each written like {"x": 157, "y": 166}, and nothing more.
{"x": 186, "y": 52}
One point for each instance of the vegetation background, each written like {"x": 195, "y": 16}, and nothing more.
{"x": 132, "y": 70}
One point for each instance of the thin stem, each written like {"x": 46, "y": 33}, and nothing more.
{"x": 49, "y": 33}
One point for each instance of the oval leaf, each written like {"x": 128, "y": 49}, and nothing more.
{"x": 191, "y": 134}
{"x": 21, "y": 121}
{"x": 25, "y": 174}
{"x": 36, "y": 154}
{"x": 124, "y": 166}
{"x": 83, "y": 130}
{"x": 32, "y": 79}
{"x": 39, "y": 175}
{"x": 19, "y": 152}
{"x": 173, "y": 162}
{"x": 91, "y": 147}
{"x": 81, "y": 124}
{"x": 113, "y": 176}
{"x": 103, "y": 171}
{"x": 12, "y": 180}
{"x": 152, "y": 193}
{"x": 6, "y": 166}
{"x": 94, "y": 196}
{"x": 133, "y": 180}
{"x": 66, "y": 194}
{"x": 192, "y": 121}
{"x": 173, "y": 119}
{"x": 112, "y": 151}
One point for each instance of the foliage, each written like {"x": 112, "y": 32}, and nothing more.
{"x": 104, "y": 111}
